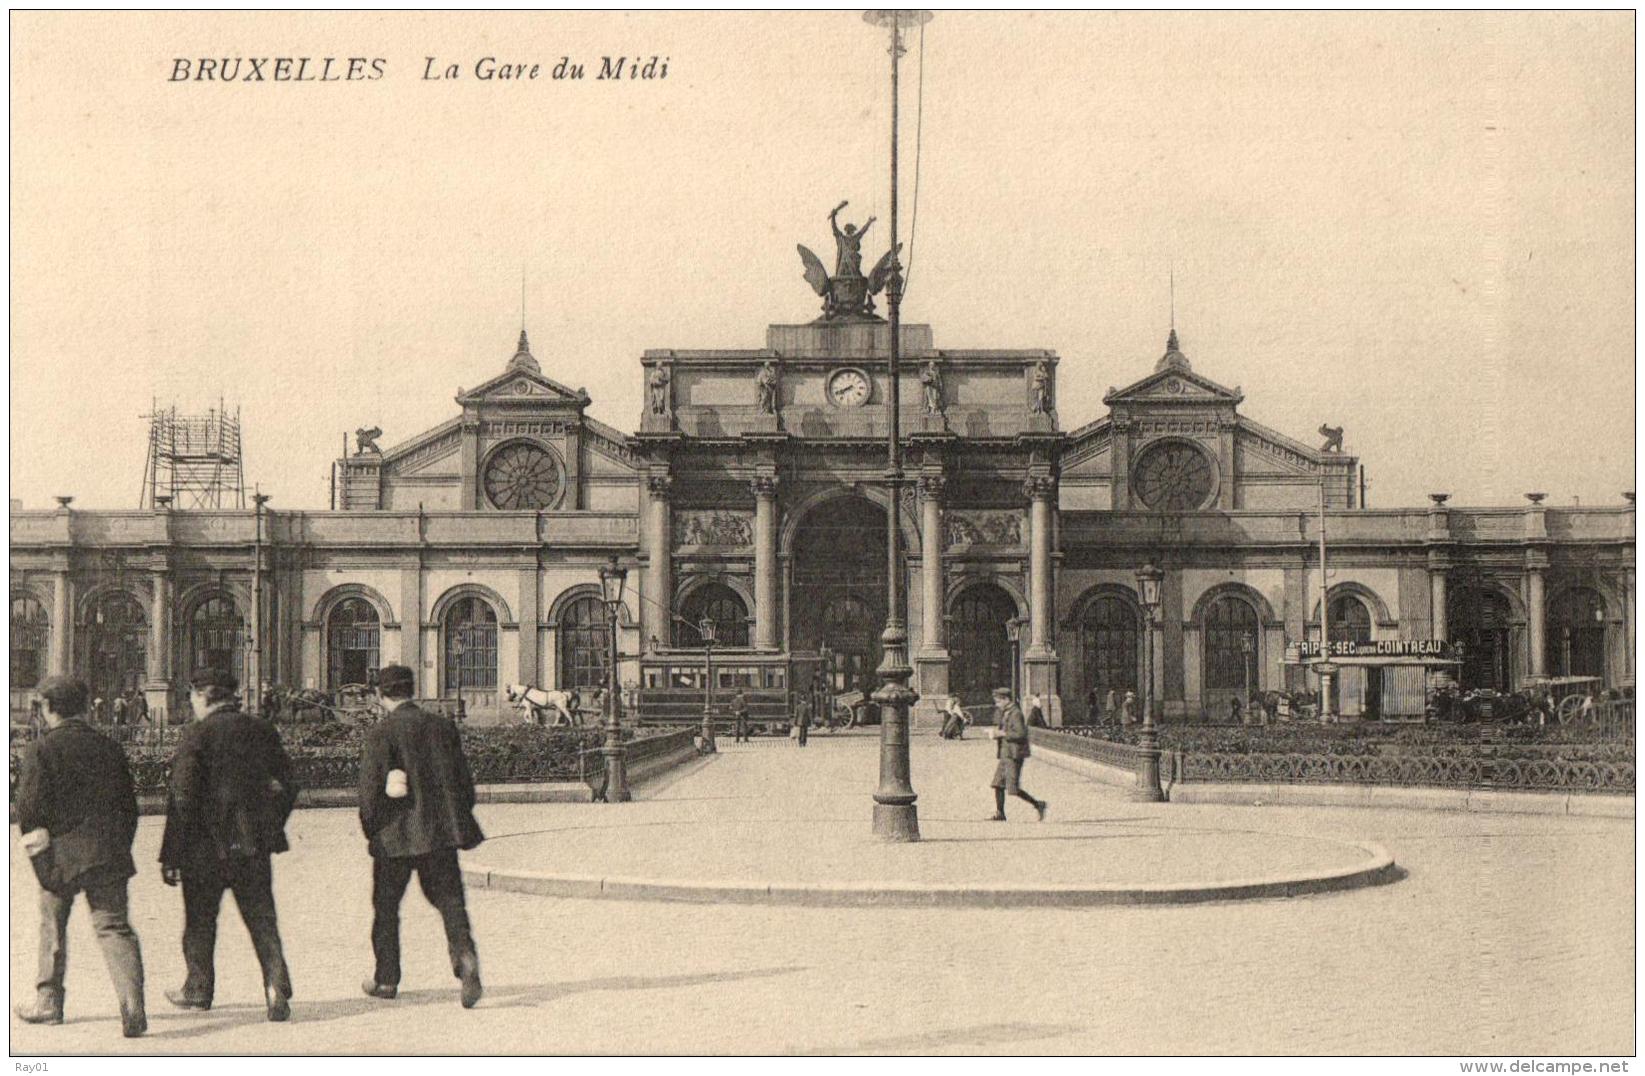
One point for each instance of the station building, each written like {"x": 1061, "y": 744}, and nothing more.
{"x": 751, "y": 494}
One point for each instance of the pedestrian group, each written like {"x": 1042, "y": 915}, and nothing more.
{"x": 229, "y": 797}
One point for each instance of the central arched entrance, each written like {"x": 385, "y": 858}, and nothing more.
{"x": 981, "y": 654}
{"x": 838, "y": 596}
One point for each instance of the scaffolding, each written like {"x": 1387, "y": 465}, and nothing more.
{"x": 193, "y": 460}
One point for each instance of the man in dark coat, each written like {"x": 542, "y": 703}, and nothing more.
{"x": 230, "y": 796}
{"x": 77, "y": 811}
{"x": 417, "y": 811}
{"x": 739, "y": 710}
{"x": 802, "y": 717}
{"x": 1011, "y": 735}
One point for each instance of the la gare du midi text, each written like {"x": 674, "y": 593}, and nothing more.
{"x": 373, "y": 68}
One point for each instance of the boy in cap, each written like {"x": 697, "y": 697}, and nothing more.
{"x": 230, "y": 795}
{"x": 77, "y": 811}
{"x": 1011, "y": 735}
{"x": 417, "y": 811}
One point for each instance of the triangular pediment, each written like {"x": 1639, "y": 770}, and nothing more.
{"x": 518, "y": 385}
{"x": 1174, "y": 386}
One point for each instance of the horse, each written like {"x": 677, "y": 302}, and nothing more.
{"x": 534, "y": 701}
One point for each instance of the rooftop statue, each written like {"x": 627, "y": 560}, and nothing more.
{"x": 848, "y": 294}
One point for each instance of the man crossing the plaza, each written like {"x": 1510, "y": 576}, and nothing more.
{"x": 230, "y": 796}
{"x": 77, "y": 811}
{"x": 1011, "y": 738}
{"x": 417, "y": 811}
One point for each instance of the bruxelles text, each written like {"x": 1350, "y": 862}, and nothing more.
{"x": 373, "y": 68}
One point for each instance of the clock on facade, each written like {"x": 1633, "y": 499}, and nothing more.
{"x": 1174, "y": 477}
{"x": 523, "y": 476}
{"x": 848, "y": 388}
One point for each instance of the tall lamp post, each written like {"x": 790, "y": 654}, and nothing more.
{"x": 255, "y": 688}
{"x": 1148, "y": 787}
{"x": 706, "y": 627}
{"x": 612, "y": 578}
{"x": 895, "y": 817}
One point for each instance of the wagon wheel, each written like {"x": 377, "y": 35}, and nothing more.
{"x": 1569, "y": 707}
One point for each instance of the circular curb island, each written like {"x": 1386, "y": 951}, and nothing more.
{"x": 1379, "y": 869}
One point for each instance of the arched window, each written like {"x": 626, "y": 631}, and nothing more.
{"x": 471, "y": 646}
{"x": 354, "y": 634}
{"x": 1576, "y": 634}
{"x": 721, "y": 604}
{"x": 1350, "y": 620}
{"x": 1231, "y": 644}
{"x": 116, "y": 644}
{"x": 1109, "y": 634}
{"x": 585, "y": 644}
{"x": 30, "y": 642}
{"x": 217, "y": 636}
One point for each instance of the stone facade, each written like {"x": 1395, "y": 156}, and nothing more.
{"x": 470, "y": 552}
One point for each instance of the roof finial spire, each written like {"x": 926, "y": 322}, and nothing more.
{"x": 522, "y": 300}
{"x": 1173, "y": 295}
{"x": 523, "y": 359}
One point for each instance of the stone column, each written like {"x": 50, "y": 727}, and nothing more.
{"x": 530, "y": 623}
{"x": 157, "y": 688}
{"x": 931, "y": 660}
{"x": 1040, "y": 659}
{"x": 766, "y": 620}
{"x": 1436, "y": 602}
{"x": 62, "y": 624}
{"x": 933, "y": 637}
{"x": 1535, "y": 562}
{"x": 656, "y": 613}
{"x": 411, "y": 630}
{"x": 1629, "y": 599}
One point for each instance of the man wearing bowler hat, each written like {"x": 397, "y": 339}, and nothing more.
{"x": 77, "y": 811}
{"x": 231, "y": 792}
{"x": 417, "y": 811}
{"x": 1011, "y": 733}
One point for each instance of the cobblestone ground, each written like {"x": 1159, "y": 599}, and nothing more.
{"x": 1511, "y": 934}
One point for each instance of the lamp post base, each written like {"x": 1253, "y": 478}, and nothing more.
{"x": 616, "y": 775}
{"x": 896, "y": 822}
{"x": 708, "y": 746}
{"x": 1148, "y": 788}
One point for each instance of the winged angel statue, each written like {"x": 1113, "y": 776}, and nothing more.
{"x": 848, "y": 294}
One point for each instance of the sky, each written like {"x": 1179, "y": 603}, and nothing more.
{"x": 1416, "y": 226}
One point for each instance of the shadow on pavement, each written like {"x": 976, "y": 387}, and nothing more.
{"x": 946, "y": 1039}
{"x": 501, "y": 997}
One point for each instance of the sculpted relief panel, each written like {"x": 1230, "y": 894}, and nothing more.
{"x": 983, "y": 528}
{"x": 706, "y": 527}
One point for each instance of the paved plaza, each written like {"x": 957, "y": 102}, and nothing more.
{"x": 1508, "y": 933}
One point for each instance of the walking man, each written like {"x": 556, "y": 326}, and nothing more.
{"x": 417, "y": 811}
{"x": 739, "y": 710}
{"x": 802, "y": 717}
{"x": 77, "y": 811}
{"x": 1011, "y": 734}
{"x": 230, "y": 795}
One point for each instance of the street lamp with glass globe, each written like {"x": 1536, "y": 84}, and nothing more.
{"x": 1148, "y": 786}
{"x": 706, "y": 627}
{"x": 612, "y": 579}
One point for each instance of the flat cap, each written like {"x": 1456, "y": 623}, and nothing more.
{"x": 1002, "y": 693}
{"x": 210, "y": 677}
{"x": 394, "y": 678}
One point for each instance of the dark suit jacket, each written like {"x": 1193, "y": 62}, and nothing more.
{"x": 1013, "y": 742}
{"x": 437, "y": 813}
{"x": 231, "y": 791}
{"x": 74, "y": 783}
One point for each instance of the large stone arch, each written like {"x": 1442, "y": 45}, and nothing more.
{"x": 557, "y": 608}
{"x": 1265, "y": 610}
{"x": 86, "y": 600}
{"x": 1380, "y": 616}
{"x": 443, "y": 604}
{"x": 960, "y": 582}
{"x": 797, "y": 512}
{"x": 342, "y": 592}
